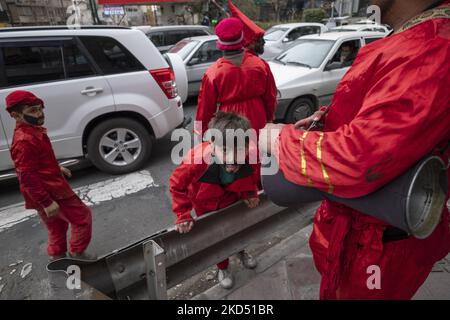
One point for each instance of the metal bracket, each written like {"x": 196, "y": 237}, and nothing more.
{"x": 155, "y": 270}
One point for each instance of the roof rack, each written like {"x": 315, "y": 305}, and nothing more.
{"x": 41, "y": 28}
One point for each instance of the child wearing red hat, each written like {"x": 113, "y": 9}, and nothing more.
{"x": 42, "y": 181}
{"x": 210, "y": 178}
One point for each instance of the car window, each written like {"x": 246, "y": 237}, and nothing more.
{"x": 184, "y": 48}
{"x": 207, "y": 53}
{"x": 295, "y": 34}
{"x": 309, "y": 30}
{"x": 379, "y": 30}
{"x": 341, "y": 30}
{"x": 197, "y": 33}
{"x": 370, "y": 40}
{"x": 346, "y": 54}
{"x": 157, "y": 38}
{"x": 111, "y": 56}
{"x": 172, "y": 37}
{"x": 274, "y": 34}
{"x": 29, "y": 64}
{"x": 306, "y": 53}
{"x": 76, "y": 63}
{"x": 367, "y": 29}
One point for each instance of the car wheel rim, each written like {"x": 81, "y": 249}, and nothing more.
{"x": 302, "y": 112}
{"x": 120, "y": 147}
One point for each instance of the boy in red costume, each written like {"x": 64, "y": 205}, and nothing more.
{"x": 42, "y": 181}
{"x": 208, "y": 181}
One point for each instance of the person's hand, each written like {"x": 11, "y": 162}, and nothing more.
{"x": 52, "y": 210}
{"x": 306, "y": 123}
{"x": 268, "y": 136}
{"x": 66, "y": 172}
{"x": 252, "y": 202}
{"x": 184, "y": 227}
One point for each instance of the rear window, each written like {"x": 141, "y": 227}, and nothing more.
{"x": 172, "y": 37}
{"x": 25, "y": 64}
{"x": 184, "y": 48}
{"x": 197, "y": 33}
{"x": 111, "y": 56}
{"x": 156, "y": 38}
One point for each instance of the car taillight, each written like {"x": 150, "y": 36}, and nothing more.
{"x": 166, "y": 81}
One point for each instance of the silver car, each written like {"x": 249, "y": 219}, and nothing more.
{"x": 108, "y": 92}
{"x": 165, "y": 37}
{"x": 198, "y": 54}
{"x": 308, "y": 73}
{"x": 280, "y": 37}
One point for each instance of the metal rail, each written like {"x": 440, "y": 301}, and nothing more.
{"x": 147, "y": 268}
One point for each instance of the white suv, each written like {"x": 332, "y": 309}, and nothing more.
{"x": 108, "y": 92}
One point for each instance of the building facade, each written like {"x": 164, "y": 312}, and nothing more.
{"x": 35, "y": 12}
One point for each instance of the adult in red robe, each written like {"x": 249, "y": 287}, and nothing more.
{"x": 389, "y": 111}
{"x": 240, "y": 82}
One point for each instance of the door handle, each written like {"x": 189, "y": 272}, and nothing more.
{"x": 91, "y": 91}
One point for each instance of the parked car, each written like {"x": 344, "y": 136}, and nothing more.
{"x": 280, "y": 37}
{"x": 108, "y": 92}
{"x": 308, "y": 73}
{"x": 165, "y": 37}
{"x": 371, "y": 27}
{"x": 198, "y": 54}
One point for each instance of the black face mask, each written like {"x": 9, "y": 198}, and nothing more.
{"x": 32, "y": 120}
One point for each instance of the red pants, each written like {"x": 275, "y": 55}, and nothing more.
{"x": 345, "y": 244}
{"x": 74, "y": 212}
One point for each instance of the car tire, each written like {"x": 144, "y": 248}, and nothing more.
{"x": 119, "y": 145}
{"x": 299, "y": 109}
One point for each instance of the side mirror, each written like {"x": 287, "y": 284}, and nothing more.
{"x": 285, "y": 40}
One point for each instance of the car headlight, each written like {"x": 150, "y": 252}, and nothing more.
{"x": 278, "y": 94}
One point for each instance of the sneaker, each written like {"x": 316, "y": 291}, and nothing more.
{"x": 83, "y": 256}
{"x": 225, "y": 279}
{"x": 247, "y": 260}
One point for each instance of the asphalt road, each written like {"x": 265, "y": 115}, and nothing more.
{"x": 125, "y": 209}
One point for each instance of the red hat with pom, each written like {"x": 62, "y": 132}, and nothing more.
{"x": 251, "y": 30}
{"x": 21, "y": 97}
{"x": 231, "y": 34}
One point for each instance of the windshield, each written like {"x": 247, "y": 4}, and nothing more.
{"x": 184, "y": 48}
{"x": 306, "y": 53}
{"x": 274, "y": 34}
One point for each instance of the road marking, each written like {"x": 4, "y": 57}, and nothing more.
{"x": 93, "y": 194}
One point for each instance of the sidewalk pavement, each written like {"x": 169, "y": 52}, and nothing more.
{"x": 287, "y": 272}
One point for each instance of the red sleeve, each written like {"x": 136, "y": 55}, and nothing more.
{"x": 180, "y": 179}
{"x": 270, "y": 96}
{"x": 404, "y": 116}
{"x": 207, "y": 105}
{"x": 25, "y": 157}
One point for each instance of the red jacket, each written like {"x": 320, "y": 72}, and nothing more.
{"x": 248, "y": 90}
{"x": 196, "y": 185}
{"x": 40, "y": 178}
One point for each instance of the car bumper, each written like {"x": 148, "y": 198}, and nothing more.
{"x": 169, "y": 119}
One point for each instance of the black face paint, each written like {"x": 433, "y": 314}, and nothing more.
{"x": 33, "y": 121}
